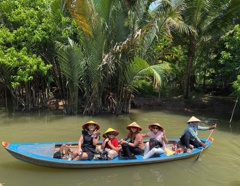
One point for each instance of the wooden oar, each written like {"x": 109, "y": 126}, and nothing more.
{"x": 205, "y": 143}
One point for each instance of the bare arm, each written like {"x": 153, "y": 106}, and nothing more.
{"x": 144, "y": 135}
{"x": 124, "y": 140}
{"x": 112, "y": 146}
{"x": 80, "y": 143}
{"x": 96, "y": 137}
{"x": 104, "y": 143}
{"x": 164, "y": 138}
{"x": 95, "y": 140}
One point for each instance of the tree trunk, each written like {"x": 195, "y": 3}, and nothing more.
{"x": 189, "y": 70}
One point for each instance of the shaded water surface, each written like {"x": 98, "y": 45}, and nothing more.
{"x": 217, "y": 166}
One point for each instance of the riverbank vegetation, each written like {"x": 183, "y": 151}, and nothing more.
{"x": 93, "y": 56}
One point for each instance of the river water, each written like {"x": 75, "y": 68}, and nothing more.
{"x": 217, "y": 166}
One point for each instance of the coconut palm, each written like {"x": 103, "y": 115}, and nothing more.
{"x": 209, "y": 20}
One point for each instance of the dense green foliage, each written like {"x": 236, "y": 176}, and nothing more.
{"x": 22, "y": 36}
{"x": 230, "y": 58}
{"x": 95, "y": 55}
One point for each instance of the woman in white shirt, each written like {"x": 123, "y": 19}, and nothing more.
{"x": 157, "y": 132}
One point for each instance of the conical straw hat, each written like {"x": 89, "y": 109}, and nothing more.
{"x": 110, "y": 130}
{"x": 155, "y": 124}
{"x": 193, "y": 119}
{"x": 85, "y": 125}
{"x": 134, "y": 124}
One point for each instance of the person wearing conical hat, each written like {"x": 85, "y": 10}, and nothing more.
{"x": 110, "y": 143}
{"x": 87, "y": 141}
{"x": 135, "y": 146}
{"x": 157, "y": 133}
{"x": 189, "y": 137}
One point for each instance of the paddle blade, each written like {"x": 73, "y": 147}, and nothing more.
{"x": 5, "y": 144}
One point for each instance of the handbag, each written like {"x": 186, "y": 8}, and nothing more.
{"x": 154, "y": 143}
{"x": 103, "y": 155}
{"x": 57, "y": 155}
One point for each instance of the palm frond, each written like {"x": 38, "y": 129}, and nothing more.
{"x": 70, "y": 61}
{"x": 139, "y": 68}
{"x": 103, "y": 8}
{"x": 81, "y": 12}
{"x": 158, "y": 72}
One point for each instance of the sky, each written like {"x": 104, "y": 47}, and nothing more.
{"x": 154, "y": 5}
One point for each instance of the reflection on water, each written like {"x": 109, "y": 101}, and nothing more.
{"x": 217, "y": 166}
{"x": 156, "y": 175}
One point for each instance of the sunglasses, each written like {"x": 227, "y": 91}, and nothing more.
{"x": 155, "y": 128}
{"x": 91, "y": 125}
{"x": 111, "y": 133}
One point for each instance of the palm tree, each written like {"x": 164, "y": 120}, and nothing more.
{"x": 70, "y": 57}
{"x": 209, "y": 20}
{"x": 144, "y": 27}
{"x": 96, "y": 34}
{"x": 113, "y": 41}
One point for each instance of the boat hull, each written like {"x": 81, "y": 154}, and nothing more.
{"x": 42, "y": 154}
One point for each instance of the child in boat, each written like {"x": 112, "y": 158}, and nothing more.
{"x": 110, "y": 143}
{"x": 156, "y": 132}
{"x": 87, "y": 141}
{"x": 175, "y": 148}
{"x": 189, "y": 137}
{"x": 135, "y": 146}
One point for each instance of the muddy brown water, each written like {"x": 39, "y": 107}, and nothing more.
{"x": 217, "y": 166}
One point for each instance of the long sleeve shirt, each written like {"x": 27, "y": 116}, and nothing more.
{"x": 193, "y": 131}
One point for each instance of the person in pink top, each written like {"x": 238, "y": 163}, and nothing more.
{"x": 157, "y": 132}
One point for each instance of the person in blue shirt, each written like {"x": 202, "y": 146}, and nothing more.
{"x": 189, "y": 137}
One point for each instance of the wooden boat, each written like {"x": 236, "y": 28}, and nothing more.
{"x": 42, "y": 154}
